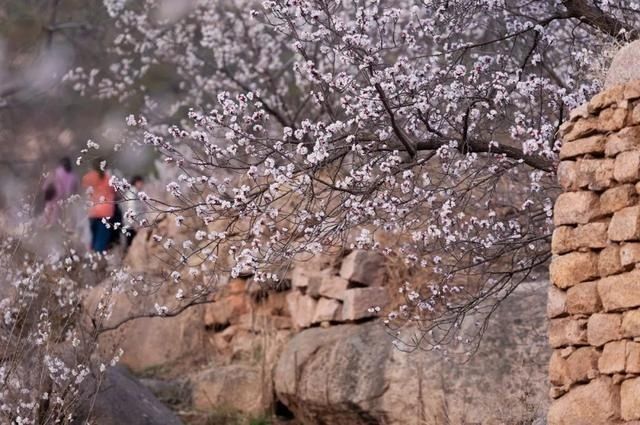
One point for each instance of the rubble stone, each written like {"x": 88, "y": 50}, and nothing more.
{"x": 602, "y": 328}
{"x": 575, "y": 267}
{"x": 576, "y": 208}
{"x": 625, "y": 224}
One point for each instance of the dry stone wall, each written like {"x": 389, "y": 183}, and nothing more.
{"x": 594, "y": 298}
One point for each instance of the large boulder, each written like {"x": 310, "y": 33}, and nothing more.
{"x": 352, "y": 374}
{"x": 625, "y": 66}
{"x": 122, "y": 400}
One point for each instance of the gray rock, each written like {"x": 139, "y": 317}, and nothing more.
{"x": 625, "y": 65}
{"x": 353, "y": 375}
{"x": 122, "y": 400}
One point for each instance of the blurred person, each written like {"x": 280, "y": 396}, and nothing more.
{"x": 136, "y": 206}
{"x": 102, "y": 196}
{"x": 59, "y": 186}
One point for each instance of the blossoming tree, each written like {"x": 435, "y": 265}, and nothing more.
{"x": 424, "y": 129}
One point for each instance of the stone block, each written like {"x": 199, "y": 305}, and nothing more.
{"x": 631, "y": 323}
{"x": 630, "y": 399}
{"x": 567, "y": 331}
{"x": 302, "y": 309}
{"x": 558, "y": 370}
{"x": 625, "y": 224}
{"x": 610, "y": 119}
{"x": 619, "y": 292}
{"x": 364, "y": 267}
{"x": 595, "y": 174}
{"x": 327, "y": 310}
{"x": 580, "y": 147}
{"x": 556, "y": 302}
{"x": 606, "y": 98}
{"x": 613, "y": 358}
{"x": 591, "y": 235}
{"x": 576, "y": 208}
{"x": 618, "y": 197}
{"x": 567, "y": 173}
{"x": 609, "y": 261}
{"x": 333, "y": 287}
{"x": 624, "y": 140}
{"x": 627, "y": 167}
{"x": 583, "y": 298}
{"x": 358, "y": 301}
{"x": 597, "y": 402}
{"x": 580, "y": 366}
{"x": 632, "y": 363}
{"x": 575, "y": 267}
{"x": 634, "y": 116}
{"x": 629, "y": 253}
{"x": 602, "y": 328}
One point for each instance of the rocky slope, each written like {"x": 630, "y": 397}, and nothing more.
{"x": 314, "y": 351}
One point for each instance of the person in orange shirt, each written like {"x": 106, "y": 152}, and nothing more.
{"x": 103, "y": 196}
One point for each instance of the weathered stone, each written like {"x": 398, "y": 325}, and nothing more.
{"x": 333, "y": 287}
{"x": 579, "y": 366}
{"x": 358, "y": 301}
{"x": 576, "y": 208}
{"x": 327, "y": 310}
{"x": 575, "y": 267}
{"x": 234, "y": 387}
{"x": 581, "y": 111}
{"x": 603, "y": 328}
{"x": 351, "y": 374}
{"x": 595, "y": 174}
{"x": 568, "y": 175}
{"x": 630, "y": 399}
{"x": 610, "y": 119}
{"x": 624, "y": 68}
{"x": 556, "y": 302}
{"x": 567, "y": 331}
{"x": 631, "y": 323}
{"x": 625, "y": 140}
{"x": 582, "y": 364}
{"x": 121, "y": 400}
{"x": 227, "y": 309}
{"x": 558, "y": 370}
{"x": 302, "y": 308}
{"x": 613, "y": 357}
{"x": 583, "y": 298}
{"x": 609, "y": 261}
{"x": 557, "y": 392}
{"x": 591, "y": 235}
{"x": 589, "y": 145}
{"x": 632, "y": 363}
{"x": 606, "y": 98}
{"x": 364, "y": 267}
{"x": 634, "y": 116}
{"x": 301, "y": 276}
{"x": 627, "y": 167}
{"x": 618, "y": 197}
{"x": 629, "y": 253}
{"x": 625, "y": 224}
{"x": 597, "y": 402}
{"x": 632, "y": 90}
{"x": 620, "y": 291}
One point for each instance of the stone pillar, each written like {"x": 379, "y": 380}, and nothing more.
{"x": 594, "y": 298}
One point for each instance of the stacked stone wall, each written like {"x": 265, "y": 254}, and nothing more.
{"x": 594, "y": 298}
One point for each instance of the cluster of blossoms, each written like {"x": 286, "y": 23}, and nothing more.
{"x": 425, "y": 130}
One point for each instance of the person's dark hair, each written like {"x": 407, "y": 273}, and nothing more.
{"x": 95, "y": 164}
{"x": 66, "y": 164}
{"x": 135, "y": 179}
